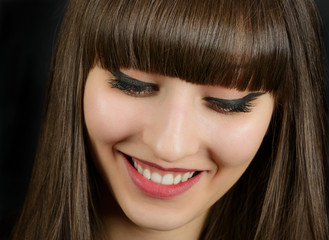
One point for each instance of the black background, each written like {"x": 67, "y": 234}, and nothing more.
{"x": 28, "y": 30}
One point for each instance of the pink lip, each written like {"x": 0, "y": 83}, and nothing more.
{"x": 157, "y": 190}
{"x": 166, "y": 169}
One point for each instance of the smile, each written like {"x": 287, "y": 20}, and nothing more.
{"x": 159, "y": 182}
{"x": 157, "y": 176}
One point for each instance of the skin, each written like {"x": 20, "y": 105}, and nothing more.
{"x": 173, "y": 128}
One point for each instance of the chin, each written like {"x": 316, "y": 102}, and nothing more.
{"x": 157, "y": 222}
{"x": 159, "y": 215}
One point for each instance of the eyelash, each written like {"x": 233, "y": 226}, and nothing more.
{"x": 237, "y": 108}
{"x": 134, "y": 90}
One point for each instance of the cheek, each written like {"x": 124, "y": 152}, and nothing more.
{"x": 239, "y": 142}
{"x": 107, "y": 120}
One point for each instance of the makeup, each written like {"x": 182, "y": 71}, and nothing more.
{"x": 137, "y": 88}
{"x": 132, "y": 86}
{"x": 169, "y": 130}
{"x": 160, "y": 184}
{"x": 233, "y": 105}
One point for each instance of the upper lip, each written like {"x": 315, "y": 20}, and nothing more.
{"x": 159, "y": 167}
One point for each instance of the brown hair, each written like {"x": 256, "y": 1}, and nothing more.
{"x": 269, "y": 45}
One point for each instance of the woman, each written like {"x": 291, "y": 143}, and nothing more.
{"x": 183, "y": 120}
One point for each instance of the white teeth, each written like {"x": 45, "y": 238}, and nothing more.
{"x": 167, "y": 179}
{"x": 139, "y": 169}
{"x": 178, "y": 178}
{"x": 135, "y": 164}
{"x": 156, "y": 177}
{"x": 147, "y": 173}
{"x": 185, "y": 177}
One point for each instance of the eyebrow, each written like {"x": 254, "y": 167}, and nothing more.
{"x": 227, "y": 102}
{"x": 234, "y": 102}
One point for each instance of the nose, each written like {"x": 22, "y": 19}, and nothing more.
{"x": 171, "y": 131}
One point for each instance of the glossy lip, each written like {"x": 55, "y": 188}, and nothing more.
{"x": 157, "y": 190}
{"x": 164, "y": 169}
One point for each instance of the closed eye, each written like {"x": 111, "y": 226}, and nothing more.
{"x": 137, "y": 88}
{"x": 227, "y": 106}
{"x": 132, "y": 86}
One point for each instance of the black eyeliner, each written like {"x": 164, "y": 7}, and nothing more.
{"x": 241, "y": 104}
{"x": 137, "y": 88}
{"x": 127, "y": 80}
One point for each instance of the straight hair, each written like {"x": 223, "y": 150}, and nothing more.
{"x": 268, "y": 45}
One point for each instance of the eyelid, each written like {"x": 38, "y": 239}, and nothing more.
{"x": 130, "y": 80}
{"x": 132, "y": 86}
{"x": 233, "y": 102}
{"x": 137, "y": 88}
{"x": 229, "y": 106}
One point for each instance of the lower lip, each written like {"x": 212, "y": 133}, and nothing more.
{"x": 157, "y": 190}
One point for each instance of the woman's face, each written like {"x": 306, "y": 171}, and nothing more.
{"x": 191, "y": 142}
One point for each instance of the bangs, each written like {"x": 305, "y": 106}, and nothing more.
{"x": 231, "y": 43}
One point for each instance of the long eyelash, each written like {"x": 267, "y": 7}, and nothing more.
{"x": 245, "y": 107}
{"x": 132, "y": 89}
{"x": 233, "y": 106}
{"x": 136, "y": 88}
